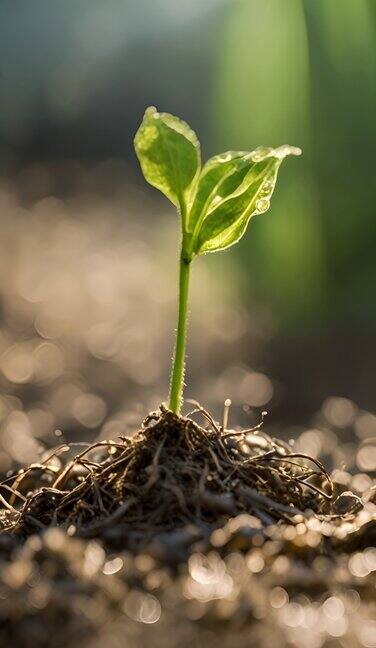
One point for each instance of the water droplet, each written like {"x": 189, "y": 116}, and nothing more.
{"x": 267, "y": 188}
{"x": 262, "y": 204}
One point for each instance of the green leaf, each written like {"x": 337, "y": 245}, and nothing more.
{"x": 169, "y": 153}
{"x": 225, "y": 223}
{"x": 220, "y": 176}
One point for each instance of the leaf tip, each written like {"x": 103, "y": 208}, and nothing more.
{"x": 151, "y": 111}
{"x": 296, "y": 150}
{"x": 284, "y": 150}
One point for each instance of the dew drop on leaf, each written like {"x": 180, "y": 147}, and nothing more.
{"x": 267, "y": 188}
{"x": 262, "y": 204}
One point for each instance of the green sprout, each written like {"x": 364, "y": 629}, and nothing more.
{"x": 216, "y": 201}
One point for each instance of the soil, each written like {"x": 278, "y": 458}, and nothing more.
{"x": 185, "y": 534}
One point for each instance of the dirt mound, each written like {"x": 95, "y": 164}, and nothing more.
{"x": 173, "y": 472}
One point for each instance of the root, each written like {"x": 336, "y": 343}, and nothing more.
{"x": 172, "y": 472}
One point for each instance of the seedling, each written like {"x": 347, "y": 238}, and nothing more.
{"x": 215, "y": 201}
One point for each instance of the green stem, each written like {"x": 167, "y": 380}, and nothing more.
{"x": 178, "y": 366}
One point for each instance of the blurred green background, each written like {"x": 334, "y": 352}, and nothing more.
{"x": 294, "y": 303}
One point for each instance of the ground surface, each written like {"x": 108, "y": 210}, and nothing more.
{"x": 182, "y": 534}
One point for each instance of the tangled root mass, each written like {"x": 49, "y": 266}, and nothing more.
{"x": 173, "y": 472}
